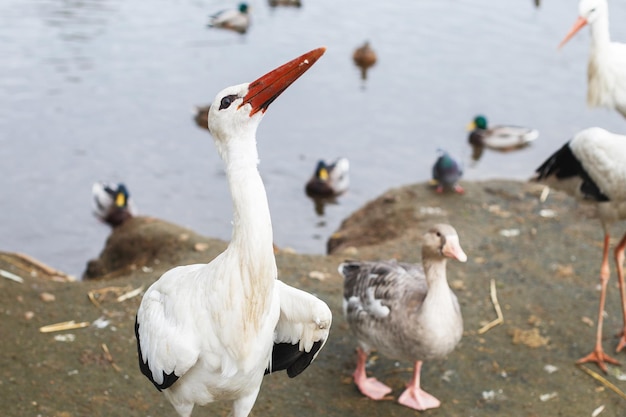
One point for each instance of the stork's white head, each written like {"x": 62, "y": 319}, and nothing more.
{"x": 237, "y": 111}
{"x": 588, "y": 12}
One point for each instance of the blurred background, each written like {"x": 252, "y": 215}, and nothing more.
{"x": 105, "y": 90}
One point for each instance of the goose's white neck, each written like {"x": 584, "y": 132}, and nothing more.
{"x": 439, "y": 303}
{"x": 435, "y": 271}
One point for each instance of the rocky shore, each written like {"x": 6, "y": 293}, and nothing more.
{"x": 543, "y": 259}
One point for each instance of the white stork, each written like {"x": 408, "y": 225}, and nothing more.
{"x": 606, "y": 71}
{"x": 210, "y": 332}
{"x": 592, "y": 167}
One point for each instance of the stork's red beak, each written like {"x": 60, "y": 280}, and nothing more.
{"x": 579, "y": 24}
{"x": 263, "y": 91}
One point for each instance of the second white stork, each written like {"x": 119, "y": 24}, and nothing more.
{"x": 606, "y": 71}
{"x": 592, "y": 167}
{"x": 210, "y": 332}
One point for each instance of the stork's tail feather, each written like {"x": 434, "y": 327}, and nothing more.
{"x": 562, "y": 164}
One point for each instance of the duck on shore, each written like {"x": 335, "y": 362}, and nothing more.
{"x": 112, "y": 203}
{"x": 446, "y": 173}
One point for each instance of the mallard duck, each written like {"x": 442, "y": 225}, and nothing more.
{"x": 112, "y": 203}
{"x": 591, "y": 168}
{"x": 606, "y": 70}
{"x": 405, "y": 312}
{"x": 364, "y": 57}
{"x": 329, "y": 180}
{"x": 446, "y": 173}
{"x": 501, "y": 137}
{"x": 201, "y": 116}
{"x": 237, "y": 20}
{"x": 286, "y": 3}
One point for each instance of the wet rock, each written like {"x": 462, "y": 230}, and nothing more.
{"x": 142, "y": 242}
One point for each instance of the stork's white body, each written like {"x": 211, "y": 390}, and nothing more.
{"x": 207, "y": 332}
{"x": 602, "y": 154}
{"x": 592, "y": 167}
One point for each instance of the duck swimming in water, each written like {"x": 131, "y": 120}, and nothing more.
{"x": 237, "y": 20}
{"x": 112, "y": 203}
{"x": 500, "y": 137}
{"x": 364, "y": 57}
{"x": 329, "y": 180}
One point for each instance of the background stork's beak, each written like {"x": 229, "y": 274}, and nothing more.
{"x": 575, "y": 28}
{"x": 263, "y": 91}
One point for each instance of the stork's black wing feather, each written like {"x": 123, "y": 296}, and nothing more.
{"x": 286, "y": 356}
{"x": 168, "y": 379}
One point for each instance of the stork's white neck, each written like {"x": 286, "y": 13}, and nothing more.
{"x": 252, "y": 224}
{"x": 600, "y": 36}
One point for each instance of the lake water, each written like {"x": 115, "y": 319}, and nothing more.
{"x": 104, "y": 90}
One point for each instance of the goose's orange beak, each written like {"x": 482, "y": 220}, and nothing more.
{"x": 579, "y": 24}
{"x": 452, "y": 249}
{"x": 263, "y": 91}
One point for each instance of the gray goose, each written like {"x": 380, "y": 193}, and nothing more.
{"x": 405, "y": 312}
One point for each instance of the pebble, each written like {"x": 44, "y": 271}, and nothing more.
{"x": 46, "y": 297}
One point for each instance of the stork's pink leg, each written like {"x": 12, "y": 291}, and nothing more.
{"x": 370, "y": 387}
{"x": 619, "y": 261}
{"x": 415, "y": 397}
{"x": 459, "y": 189}
{"x": 597, "y": 355}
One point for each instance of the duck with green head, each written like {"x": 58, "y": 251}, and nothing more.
{"x": 112, "y": 203}
{"x": 500, "y": 137}
{"x": 237, "y": 20}
{"x": 329, "y": 180}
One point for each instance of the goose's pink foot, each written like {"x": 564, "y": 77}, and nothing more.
{"x": 415, "y": 397}
{"x": 418, "y": 399}
{"x": 370, "y": 387}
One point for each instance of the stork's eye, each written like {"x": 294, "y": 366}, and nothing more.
{"x": 227, "y": 101}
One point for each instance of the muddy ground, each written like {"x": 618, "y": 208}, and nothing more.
{"x": 544, "y": 264}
